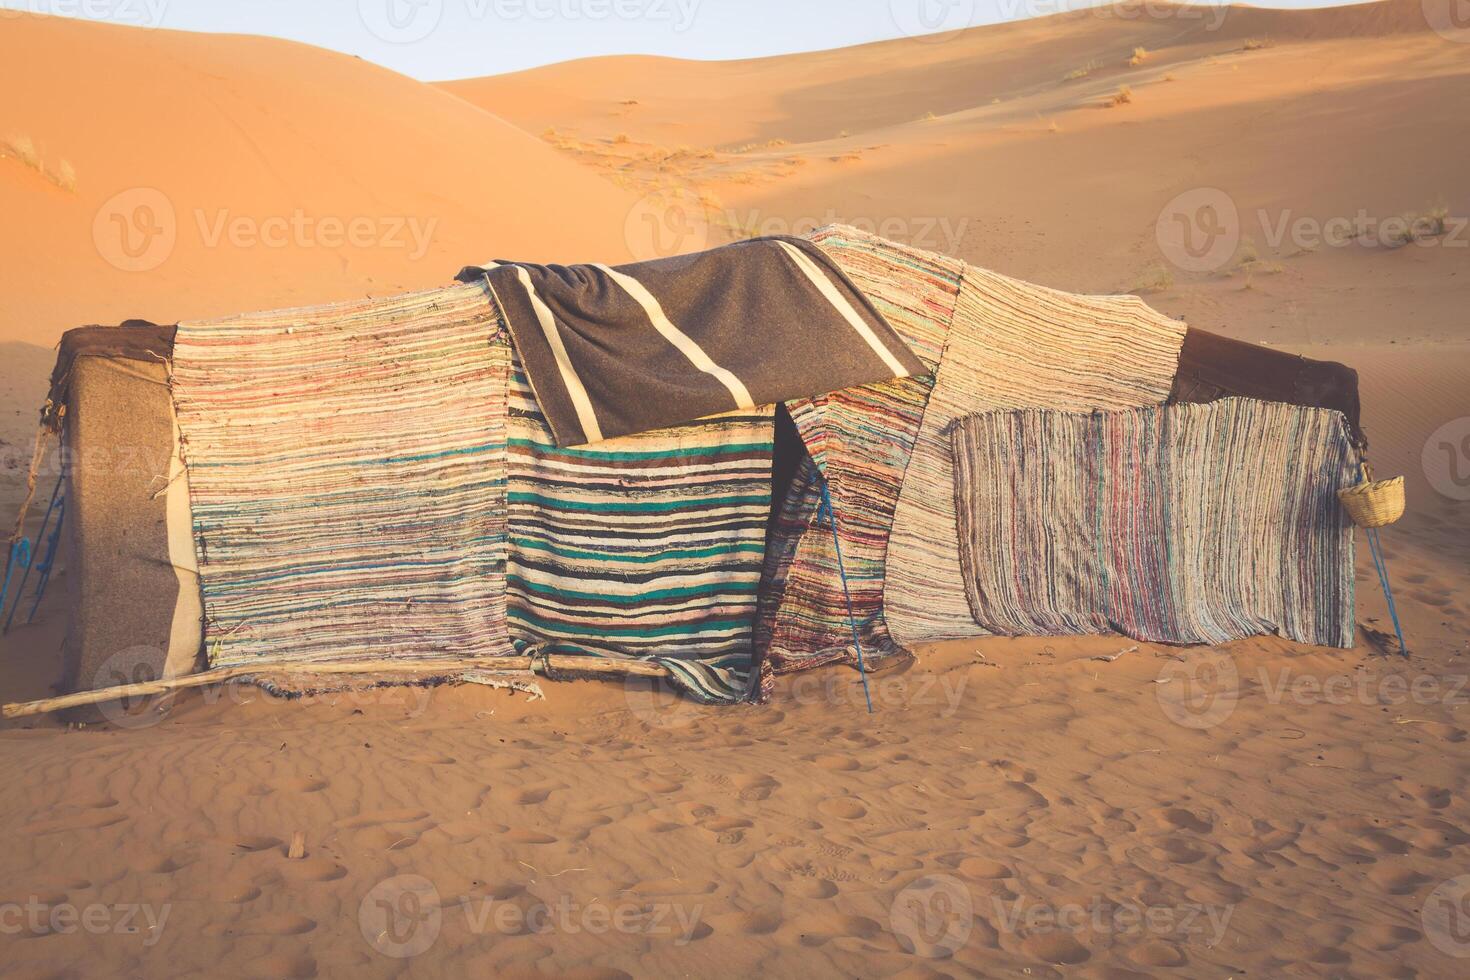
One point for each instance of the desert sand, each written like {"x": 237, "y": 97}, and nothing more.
{"x": 1076, "y": 816}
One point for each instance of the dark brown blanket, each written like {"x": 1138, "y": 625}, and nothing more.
{"x": 614, "y": 351}
{"x": 1213, "y": 367}
{"x": 137, "y": 340}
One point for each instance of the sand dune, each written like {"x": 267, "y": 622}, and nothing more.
{"x": 1278, "y": 828}
{"x": 181, "y": 175}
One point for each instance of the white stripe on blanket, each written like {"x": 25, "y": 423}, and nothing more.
{"x": 679, "y": 338}
{"x": 840, "y": 303}
{"x": 575, "y": 389}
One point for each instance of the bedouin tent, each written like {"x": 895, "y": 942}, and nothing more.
{"x": 627, "y": 470}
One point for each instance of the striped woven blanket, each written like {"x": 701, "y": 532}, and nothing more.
{"x": 1182, "y": 524}
{"x": 860, "y": 439}
{"x": 347, "y": 468}
{"x": 644, "y": 346}
{"x": 1012, "y": 345}
{"x": 646, "y": 546}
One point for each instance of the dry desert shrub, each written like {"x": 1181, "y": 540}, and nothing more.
{"x": 23, "y": 148}
{"x": 1155, "y": 279}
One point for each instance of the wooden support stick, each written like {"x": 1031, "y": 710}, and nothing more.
{"x": 220, "y": 675}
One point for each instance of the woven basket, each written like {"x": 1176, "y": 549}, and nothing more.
{"x": 1374, "y": 503}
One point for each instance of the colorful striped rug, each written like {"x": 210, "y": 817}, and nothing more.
{"x": 1012, "y": 345}
{"x": 861, "y": 438}
{"x": 645, "y": 546}
{"x": 347, "y": 468}
{"x": 1183, "y": 524}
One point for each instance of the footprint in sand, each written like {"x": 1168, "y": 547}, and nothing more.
{"x": 281, "y": 924}
{"x": 161, "y": 864}
{"x": 755, "y": 788}
{"x": 376, "y": 817}
{"x": 282, "y": 966}
{"x": 1385, "y": 938}
{"x": 984, "y": 868}
{"x": 314, "y": 869}
{"x": 1056, "y": 948}
{"x": 304, "y": 784}
{"x": 1157, "y": 954}
{"x": 1397, "y": 881}
{"x": 1434, "y": 797}
{"x": 816, "y": 888}
{"x": 1184, "y": 820}
{"x": 842, "y": 807}
{"x": 760, "y": 922}
{"x": 72, "y": 819}
{"x": 536, "y": 795}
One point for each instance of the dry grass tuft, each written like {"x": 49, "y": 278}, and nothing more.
{"x": 1139, "y": 56}
{"x": 23, "y": 150}
{"x": 1256, "y": 43}
{"x": 1124, "y": 96}
{"x": 1155, "y": 279}
{"x": 1082, "y": 72}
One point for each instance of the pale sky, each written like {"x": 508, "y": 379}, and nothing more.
{"x": 438, "y": 39}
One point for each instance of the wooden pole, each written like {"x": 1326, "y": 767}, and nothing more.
{"x": 220, "y": 675}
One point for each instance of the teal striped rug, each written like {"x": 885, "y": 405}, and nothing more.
{"x": 647, "y": 546}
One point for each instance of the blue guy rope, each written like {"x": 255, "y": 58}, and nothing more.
{"x": 19, "y": 556}
{"x": 826, "y": 512}
{"x": 1381, "y": 566}
{"x": 43, "y": 570}
{"x": 20, "y": 590}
